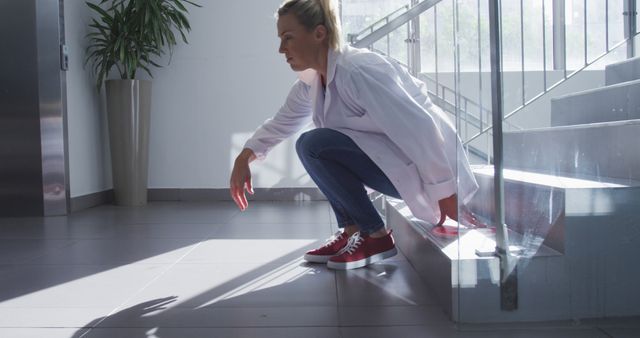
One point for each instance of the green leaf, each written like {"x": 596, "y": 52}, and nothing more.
{"x": 126, "y": 34}
{"x": 180, "y": 5}
{"x": 104, "y": 14}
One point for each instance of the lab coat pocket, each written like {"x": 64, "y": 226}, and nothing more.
{"x": 406, "y": 175}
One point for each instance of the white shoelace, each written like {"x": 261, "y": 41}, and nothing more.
{"x": 354, "y": 242}
{"x": 333, "y": 238}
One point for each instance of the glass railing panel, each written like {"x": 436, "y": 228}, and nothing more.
{"x": 544, "y": 162}
{"x": 560, "y": 182}
{"x": 568, "y": 191}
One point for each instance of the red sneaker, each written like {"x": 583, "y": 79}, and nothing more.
{"x": 334, "y": 246}
{"x": 362, "y": 251}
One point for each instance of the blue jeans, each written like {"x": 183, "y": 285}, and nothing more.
{"x": 341, "y": 170}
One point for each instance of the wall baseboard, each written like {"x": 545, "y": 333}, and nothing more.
{"x": 91, "y": 200}
{"x": 261, "y": 194}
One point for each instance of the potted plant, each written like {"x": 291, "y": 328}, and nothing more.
{"x": 129, "y": 35}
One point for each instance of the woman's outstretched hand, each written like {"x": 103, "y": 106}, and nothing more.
{"x": 449, "y": 207}
{"x": 241, "y": 179}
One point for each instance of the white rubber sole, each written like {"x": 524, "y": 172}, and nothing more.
{"x": 316, "y": 258}
{"x": 363, "y": 262}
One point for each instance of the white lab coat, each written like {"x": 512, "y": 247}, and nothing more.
{"x": 388, "y": 114}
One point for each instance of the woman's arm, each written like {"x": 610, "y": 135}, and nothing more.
{"x": 293, "y": 116}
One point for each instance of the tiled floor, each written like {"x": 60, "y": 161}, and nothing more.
{"x": 208, "y": 270}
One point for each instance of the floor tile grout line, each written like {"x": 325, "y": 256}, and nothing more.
{"x": 338, "y": 307}
{"x": 310, "y": 305}
{"x": 29, "y": 260}
{"x": 256, "y": 327}
{"x": 601, "y": 330}
{"x": 144, "y": 287}
{"x": 338, "y": 327}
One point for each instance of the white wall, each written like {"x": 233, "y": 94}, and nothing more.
{"x": 205, "y": 104}
{"x": 89, "y": 160}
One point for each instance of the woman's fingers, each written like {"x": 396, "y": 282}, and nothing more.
{"x": 240, "y": 177}
{"x": 249, "y": 185}
{"x": 235, "y": 197}
{"x": 243, "y": 199}
{"x": 443, "y": 217}
{"x": 246, "y": 184}
{"x": 472, "y": 219}
{"x": 237, "y": 194}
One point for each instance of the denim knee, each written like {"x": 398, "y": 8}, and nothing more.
{"x": 309, "y": 141}
{"x": 301, "y": 145}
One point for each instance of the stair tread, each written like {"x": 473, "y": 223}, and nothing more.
{"x": 564, "y": 182}
{"x": 623, "y": 71}
{"x": 464, "y": 246}
{"x": 597, "y": 90}
{"x": 577, "y": 126}
{"x": 624, "y": 62}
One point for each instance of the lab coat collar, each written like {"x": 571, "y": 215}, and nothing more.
{"x": 308, "y": 75}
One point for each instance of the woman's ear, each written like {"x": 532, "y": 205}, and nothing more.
{"x": 320, "y": 33}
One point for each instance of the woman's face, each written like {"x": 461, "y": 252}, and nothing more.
{"x": 299, "y": 46}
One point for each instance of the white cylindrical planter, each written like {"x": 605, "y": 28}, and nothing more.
{"x": 128, "y": 106}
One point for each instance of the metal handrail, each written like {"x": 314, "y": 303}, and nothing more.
{"x": 352, "y": 38}
{"x": 392, "y": 25}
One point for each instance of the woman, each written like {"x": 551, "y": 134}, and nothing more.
{"x": 375, "y": 127}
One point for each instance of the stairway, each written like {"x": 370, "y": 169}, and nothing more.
{"x": 572, "y": 196}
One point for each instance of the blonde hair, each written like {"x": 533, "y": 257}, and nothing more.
{"x": 311, "y": 13}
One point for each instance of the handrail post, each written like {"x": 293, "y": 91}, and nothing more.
{"x": 630, "y": 22}
{"x": 508, "y": 272}
{"x": 559, "y": 36}
{"x": 415, "y": 41}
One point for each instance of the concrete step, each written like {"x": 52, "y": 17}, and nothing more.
{"x": 627, "y": 70}
{"x": 468, "y": 286}
{"x": 581, "y": 240}
{"x": 538, "y": 206}
{"x": 611, "y": 103}
{"x": 596, "y": 150}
